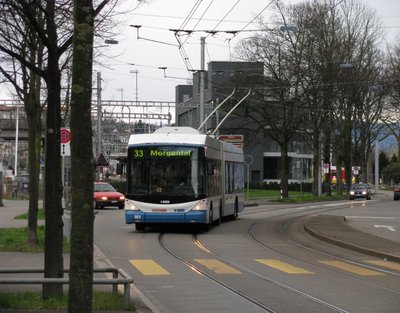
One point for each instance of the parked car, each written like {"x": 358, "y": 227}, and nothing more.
{"x": 396, "y": 192}
{"x": 360, "y": 190}
{"x": 105, "y": 196}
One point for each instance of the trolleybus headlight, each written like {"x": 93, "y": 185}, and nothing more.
{"x": 130, "y": 206}
{"x": 201, "y": 205}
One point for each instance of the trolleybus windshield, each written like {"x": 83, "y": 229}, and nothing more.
{"x": 166, "y": 174}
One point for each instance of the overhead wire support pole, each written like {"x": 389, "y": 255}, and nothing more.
{"x": 229, "y": 113}
{"x": 216, "y": 108}
{"x": 202, "y": 86}
{"x": 99, "y": 113}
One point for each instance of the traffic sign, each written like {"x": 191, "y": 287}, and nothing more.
{"x": 101, "y": 160}
{"x": 231, "y": 138}
{"x": 65, "y": 135}
{"x": 65, "y": 138}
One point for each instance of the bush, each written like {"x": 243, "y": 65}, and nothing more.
{"x": 392, "y": 172}
{"x": 119, "y": 185}
{"x": 305, "y": 187}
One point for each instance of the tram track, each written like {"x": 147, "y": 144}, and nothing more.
{"x": 301, "y": 212}
{"x": 247, "y": 270}
{"x": 285, "y": 234}
{"x": 219, "y": 282}
{"x": 287, "y": 238}
{"x": 272, "y": 281}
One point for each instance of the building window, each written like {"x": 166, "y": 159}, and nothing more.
{"x": 271, "y": 167}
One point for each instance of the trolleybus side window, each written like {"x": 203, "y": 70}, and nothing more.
{"x": 233, "y": 177}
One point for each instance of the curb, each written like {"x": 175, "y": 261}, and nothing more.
{"x": 348, "y": 245}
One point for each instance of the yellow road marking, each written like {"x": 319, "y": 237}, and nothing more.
{"x": 387, "y": 264}
{"x": 351, "y": 268}
{"x": 217, "y": 266}
{"x": 148, "y": 267}
{"x": 284, "y": 267}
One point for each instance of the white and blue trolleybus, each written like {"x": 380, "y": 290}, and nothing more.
{"x": 179, "y": 175}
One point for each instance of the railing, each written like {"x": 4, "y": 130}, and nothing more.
{"x": 125, "y": 279}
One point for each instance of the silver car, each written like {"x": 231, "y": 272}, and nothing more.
{"x": 360, "y": 190}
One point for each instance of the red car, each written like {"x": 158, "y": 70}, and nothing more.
{"x": 396, "y": 192}
{"x": 105, "y": 195}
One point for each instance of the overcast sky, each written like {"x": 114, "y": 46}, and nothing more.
{"x": 158, "y": 16}
{"x": 158, "y": 48}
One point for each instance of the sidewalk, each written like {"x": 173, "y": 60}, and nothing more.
{"x": 8, "y": 212}
{"x": 336, "y": 230}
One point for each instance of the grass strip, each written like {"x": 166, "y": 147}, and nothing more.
{"x": 15, "y": 240}
{"x": 34, "y": 301}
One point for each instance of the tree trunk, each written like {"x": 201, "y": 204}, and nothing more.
{"x": 284, "y": 171}
{"x": 316, "y": 162}
{"x": 33, "y": 112}
{"x": 398, "y": 147}
{"x": 53, "y": 258}
{"x": 82, "y": 162}
{"x": 327, "y": 160}
{"x": 53, "y": 261}
{"x": 1, "y": 192}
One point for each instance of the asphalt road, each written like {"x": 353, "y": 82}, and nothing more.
{"x": 262, "y": 262}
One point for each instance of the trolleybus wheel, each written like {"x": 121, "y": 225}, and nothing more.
{"x": 236, "y": 210}
{"x": 219, "y": 220}
{"x": 210, "y": 218}
{"x": 140, "y": 226}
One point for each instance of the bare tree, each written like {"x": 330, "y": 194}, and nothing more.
{"x": 27, "y": 86}
{"x": 49, "y": 22}
{"x": 307, "y": 66}
{"x": 392, "y": 90}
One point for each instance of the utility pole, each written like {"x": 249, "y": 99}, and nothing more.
{"x": 16, "y": 143}
{"x": 202, "y": 84}
{"x": 99, "y": 113}
{"x": 376, "y": 165}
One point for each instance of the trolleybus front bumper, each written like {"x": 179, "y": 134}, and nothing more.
{"x": 194, "y": 216}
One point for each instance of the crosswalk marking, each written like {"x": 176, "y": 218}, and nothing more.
{"x": 351, "y": 268}
{"x": 284, "y": 267}
{"x": 148, "y": 267}
{"x": 387, "y": 264}
{"x": 217, "y": 266}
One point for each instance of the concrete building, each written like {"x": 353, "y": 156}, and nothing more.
{"x": 262, "y": 153}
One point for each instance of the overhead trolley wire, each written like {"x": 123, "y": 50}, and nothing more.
{"x": 190, "y": 15}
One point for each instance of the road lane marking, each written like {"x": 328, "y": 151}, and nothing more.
{"x": 391, "y": 228}
{"x": 387, "y": 264}
{"x": 362, "y": 271}
{"x": 148, "y": 267}
{"x": 217, "y": 266}
{"x": 282, "y": 266}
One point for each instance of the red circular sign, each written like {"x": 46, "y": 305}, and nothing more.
{"x": 65, "y": 135}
